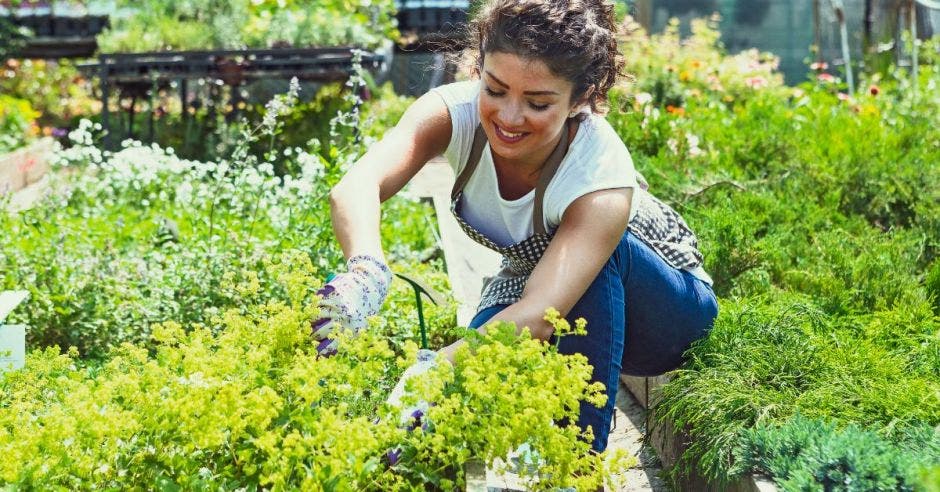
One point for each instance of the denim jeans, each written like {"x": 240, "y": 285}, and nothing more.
{"x": 642, "y": 314}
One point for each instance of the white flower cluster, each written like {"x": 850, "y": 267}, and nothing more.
{"x": 279, "y": 105}
{"x": 148, "y": 174}
{"x": 691, "y": 146}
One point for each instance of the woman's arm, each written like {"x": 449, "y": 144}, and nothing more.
{"x": 590, "y": 230}
{"x": 422, "y": 133}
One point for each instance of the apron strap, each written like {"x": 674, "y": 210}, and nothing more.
{"x": 476, "y": 150}
{"x": 546, "y": 175}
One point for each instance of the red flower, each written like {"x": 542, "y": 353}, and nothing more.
{"x": 874, "y": 90}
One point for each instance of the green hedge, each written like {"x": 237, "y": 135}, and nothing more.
{"x": 819, "y": 216}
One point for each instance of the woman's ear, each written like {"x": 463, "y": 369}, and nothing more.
{"x": 582, "y": 103}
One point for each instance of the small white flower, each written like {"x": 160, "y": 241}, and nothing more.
{"x": 184, "y": 192}
{"x": 253, "y": 179}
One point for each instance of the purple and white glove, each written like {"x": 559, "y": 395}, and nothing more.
{"x": 412, "y": 417}
{"x": 348, "y": 299}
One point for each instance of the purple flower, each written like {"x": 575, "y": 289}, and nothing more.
{"x": 59, "y": 132}
{"x": 393, "y": 456}
{"x": 417, "y": 419}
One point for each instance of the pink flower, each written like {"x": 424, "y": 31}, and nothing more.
{"x": 825, "y": 77}
{"x": 757, "y": 82}
{"x": 843, "y": 96}
{"x": 818, "y": 66}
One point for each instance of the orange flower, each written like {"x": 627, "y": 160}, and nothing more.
{"x": 678, "y": 111}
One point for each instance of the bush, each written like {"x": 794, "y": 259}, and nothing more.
{"x": 17, "y": 123}
{"x": 245, "y": 402}
{"x": 805, "y": 454}
{"x": 162, "y": 25}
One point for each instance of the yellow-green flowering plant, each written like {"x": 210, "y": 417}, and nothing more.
{"x": 244, "y": 402}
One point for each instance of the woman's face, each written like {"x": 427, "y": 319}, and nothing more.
{"x": 523, "y": 107}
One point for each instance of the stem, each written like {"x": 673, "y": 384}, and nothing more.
{"x": 254, "y": 214}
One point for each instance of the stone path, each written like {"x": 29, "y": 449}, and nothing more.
{"x": 467, "y": 264}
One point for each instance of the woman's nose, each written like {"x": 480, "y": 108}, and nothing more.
{"x": 511, "y": 115}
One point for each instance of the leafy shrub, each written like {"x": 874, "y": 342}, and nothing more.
{"x": 817, "y": 212}
{"x": 159, "y": 25}
{"x": 141, "y": 236}
{"x": 243, "y": 401}
{"x": 56, "y": 91}
{"x": 769, "y": 359}
{"x": 17, "y": 122}
{"x": 805, "y": 454}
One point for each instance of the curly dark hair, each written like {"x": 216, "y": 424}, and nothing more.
{"x": 576, "y": 39}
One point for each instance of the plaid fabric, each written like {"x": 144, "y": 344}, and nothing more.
{"x": 655, "y": 223}
{"x": 518, "y": 262}
{"x": 664, "y": 230}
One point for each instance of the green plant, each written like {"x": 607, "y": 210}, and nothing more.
{"x": 17, "y": 122}
{"x": 806, "y": 454}
{"x": 159, "y": 25}
{"x": 244, "y": 401}
{"x": 55, "y": 89}
{"x": 768, "y": 359}
{"x": 140, "y": 235}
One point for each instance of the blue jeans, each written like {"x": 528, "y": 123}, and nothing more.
{"x": 641, "y": 314}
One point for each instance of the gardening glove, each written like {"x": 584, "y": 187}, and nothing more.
{"x": 348, "y": 299}
{"x": 413, "y": 416}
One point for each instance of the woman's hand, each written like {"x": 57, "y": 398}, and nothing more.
{"x": 412, "y": 417}
{"x": 349, "y": 299}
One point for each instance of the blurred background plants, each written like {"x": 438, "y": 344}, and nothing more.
{"x": 157, "y": 25}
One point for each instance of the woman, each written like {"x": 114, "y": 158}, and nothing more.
{"x": 544, "y": 180}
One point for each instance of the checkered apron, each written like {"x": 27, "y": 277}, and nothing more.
{"x": 655, "y": 223}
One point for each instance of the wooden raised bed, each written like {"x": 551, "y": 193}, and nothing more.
{"x": 670, "y": 442}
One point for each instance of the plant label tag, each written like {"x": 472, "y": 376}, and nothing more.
{"x": 12, "y": 347}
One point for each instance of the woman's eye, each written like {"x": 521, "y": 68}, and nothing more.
{"x": 537, "y": 107}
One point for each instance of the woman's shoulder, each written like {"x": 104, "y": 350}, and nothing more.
{"x": 598, "y": 144}
{"x": 459, "y": 93}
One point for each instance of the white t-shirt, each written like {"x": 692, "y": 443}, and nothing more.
{"x": 596, "y": 160}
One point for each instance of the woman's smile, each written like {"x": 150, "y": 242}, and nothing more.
{"x": 507, "y": 136}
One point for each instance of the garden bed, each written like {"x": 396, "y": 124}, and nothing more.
{"x": 670, "y": 443}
